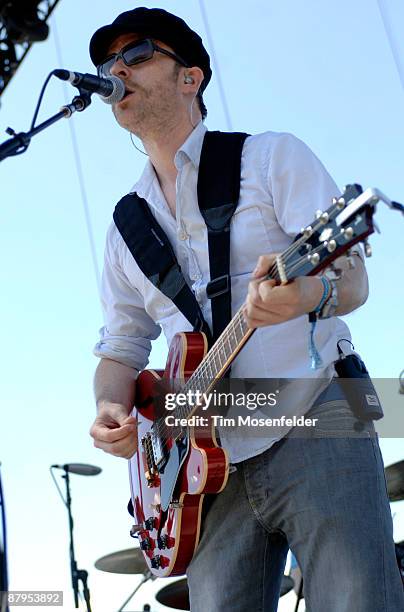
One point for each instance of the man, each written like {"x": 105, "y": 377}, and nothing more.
{"x": 324, "y": 497}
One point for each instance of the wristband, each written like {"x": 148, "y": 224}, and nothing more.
{"x": 326, "y": 294}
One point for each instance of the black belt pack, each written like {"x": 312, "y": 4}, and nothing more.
{"x": 358, "y": 388}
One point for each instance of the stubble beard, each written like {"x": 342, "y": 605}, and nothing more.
{"x": 150, "y": 113}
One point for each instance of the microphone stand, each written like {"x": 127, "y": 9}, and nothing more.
{"x": 20, "y": 142}
{"x": 76, "y": 573}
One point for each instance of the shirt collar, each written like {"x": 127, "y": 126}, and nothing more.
{"x": 191, "y": 149}
{"x": 147, "y": 186}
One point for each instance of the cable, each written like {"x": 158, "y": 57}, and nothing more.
{"x": 44, "y": 86}
{"x": 79, "y": 168}
{"x": 57, "y": 486}
{"x": 216, "y": 66}
{"x": 392, "y": 42}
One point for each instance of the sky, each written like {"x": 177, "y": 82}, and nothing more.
{"x": 323, "y": 71}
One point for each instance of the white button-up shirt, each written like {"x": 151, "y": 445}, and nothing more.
{"x": 283, "y": 184}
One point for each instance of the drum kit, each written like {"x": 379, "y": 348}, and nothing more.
{"x": 175, "y": 595}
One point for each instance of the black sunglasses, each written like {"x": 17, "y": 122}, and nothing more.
{"x": 135, "y": 53}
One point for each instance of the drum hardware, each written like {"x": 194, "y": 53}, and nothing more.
{"x": 287, "y": 585}
{"x": 176, "y": 594}
{"x": 128, "y": 561}
{"x": 395, "y": 481}
{"x": 400, "y": 558}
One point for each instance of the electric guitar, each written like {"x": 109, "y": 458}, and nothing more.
{"x": 174, "y": 467}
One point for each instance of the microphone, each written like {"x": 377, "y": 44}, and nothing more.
{"x": 111, "y": 89}
{"x": 84, "y": 469}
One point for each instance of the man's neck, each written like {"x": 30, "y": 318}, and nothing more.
{"x": 162, "y": 148}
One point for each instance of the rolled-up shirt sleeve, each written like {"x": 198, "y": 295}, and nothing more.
{"x": 128, "y": 330}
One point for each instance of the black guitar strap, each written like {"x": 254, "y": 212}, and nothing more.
{"x": 218, "y": 195}
{"x": 154, "y": 255}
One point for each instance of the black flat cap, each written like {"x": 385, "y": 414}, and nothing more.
{"x": 159, "y": 24}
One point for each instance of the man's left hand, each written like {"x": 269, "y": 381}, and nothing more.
{"x": 268, "y": 303}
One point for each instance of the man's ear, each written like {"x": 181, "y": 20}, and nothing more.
{"x": 191, "y": 79}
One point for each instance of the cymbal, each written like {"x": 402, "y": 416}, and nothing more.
{"x": 176, "y": 594}
{"x": 129, "y": 561}
{"x": 395, "y": 481}
{"x": 287, "y": 585}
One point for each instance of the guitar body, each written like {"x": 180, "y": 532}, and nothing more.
{"x": 167, "y": 495}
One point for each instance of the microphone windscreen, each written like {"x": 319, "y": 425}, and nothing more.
{"x": 83, "y": 469}
{"x": 118, "y": 91}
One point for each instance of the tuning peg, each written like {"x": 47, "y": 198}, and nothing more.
{"x": 331, "y": 246}
{"x": 368, "y": 249}
{"x": 339, "y": 203}
{"x": 314, "y": 258}
{"x": 307, "y": 231}
{"x": 348, "y": 233}
{"x": 321, "y": 216}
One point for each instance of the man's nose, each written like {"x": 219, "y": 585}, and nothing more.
{"x": 119, "y": 69}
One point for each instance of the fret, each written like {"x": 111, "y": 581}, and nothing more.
{"x": 240, "y": 321}
{"x": 216, "y": 360}
{"x": 233, "y": 330}
{"x": 229, "y": 344}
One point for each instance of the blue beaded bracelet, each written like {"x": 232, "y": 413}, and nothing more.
{"x": 326, "y": 293}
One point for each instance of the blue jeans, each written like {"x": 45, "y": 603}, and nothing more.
{"x": 322, "y": 496}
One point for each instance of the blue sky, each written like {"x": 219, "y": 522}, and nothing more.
{"x": 323, "y": 71}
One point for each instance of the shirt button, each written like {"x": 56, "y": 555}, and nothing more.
{"x": 182, "y": 235}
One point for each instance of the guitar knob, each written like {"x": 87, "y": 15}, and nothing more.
{"x": 159, "y": 561}
{"x": 150, "y": 523}
{"x": 145, "y": 544}
{"x": 165, "y": 541}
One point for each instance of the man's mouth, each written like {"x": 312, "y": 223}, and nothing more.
{"x": 127, "y": 93}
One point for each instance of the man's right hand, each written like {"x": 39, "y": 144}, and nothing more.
{"x": 114, "y": 431}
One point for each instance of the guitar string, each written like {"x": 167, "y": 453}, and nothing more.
{"x": 208, "y": 363}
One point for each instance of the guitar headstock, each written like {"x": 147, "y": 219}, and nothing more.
{"x": 333, "y": 232}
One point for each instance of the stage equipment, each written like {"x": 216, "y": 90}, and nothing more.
{"x": 176, "y": 594}
{"x": 110, "y": 89}
{"x": 400, "y": 558}
{"x": 83, "y": 469}
{"x": 173, "y": 470}
{"x": 22, "y": 23}
{"x": 128, "y": 561}
{"x": 78, "y": 575}
{"x": 19, "y": 143}
{"x": 395, "y": 481}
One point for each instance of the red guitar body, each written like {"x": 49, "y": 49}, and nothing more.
{"x": 167, "y": 496}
